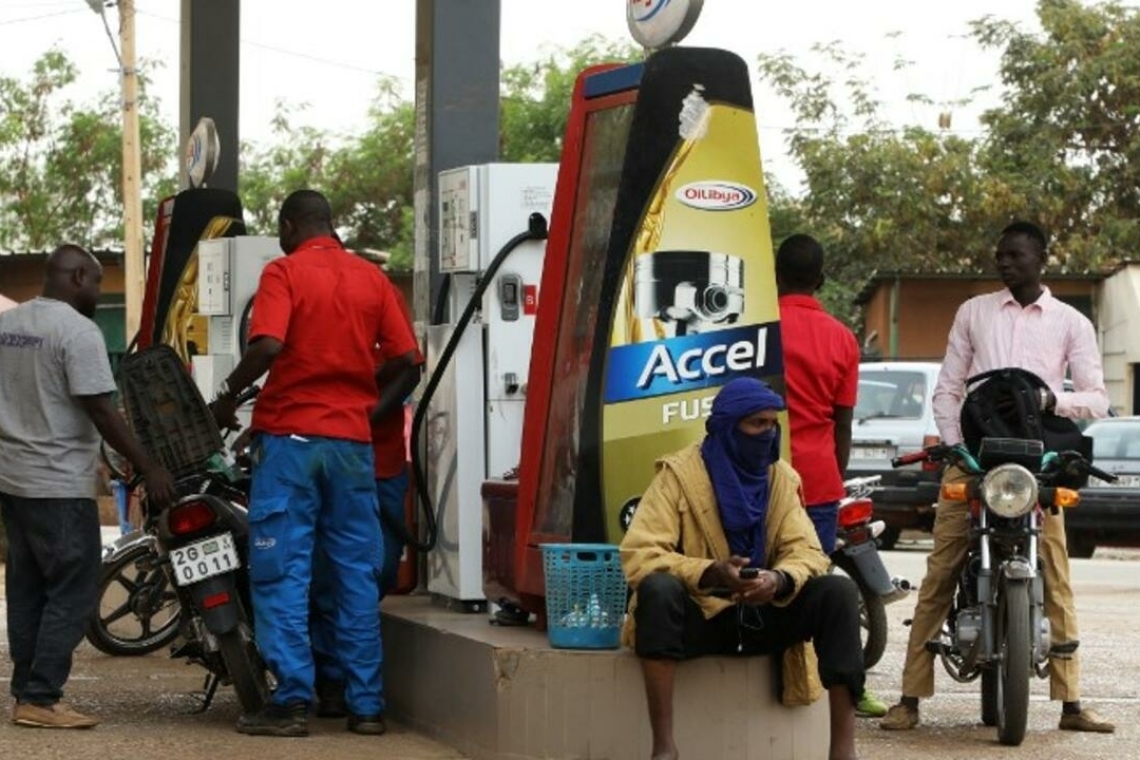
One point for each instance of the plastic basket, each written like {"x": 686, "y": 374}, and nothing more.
{"x": 585, "y": 595}
{"x": 167, "y": 412}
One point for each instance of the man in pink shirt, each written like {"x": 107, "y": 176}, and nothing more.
{"x": 1022, "y": 326}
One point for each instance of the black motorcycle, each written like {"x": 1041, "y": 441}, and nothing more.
{"x": 857, "y": 555}
{"x": 185, "y": 573}
{"x": 997, "y": 629}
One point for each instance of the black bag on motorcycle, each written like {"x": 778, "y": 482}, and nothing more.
{"x": 1005, "y": 403}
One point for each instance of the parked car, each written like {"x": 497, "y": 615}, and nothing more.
{"x": 893, "y": 416}
{"x": 1109, "y": 513}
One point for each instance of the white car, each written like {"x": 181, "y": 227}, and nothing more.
{"x": 894, "y": 416}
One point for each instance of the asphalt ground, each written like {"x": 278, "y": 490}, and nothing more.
{"x": 148, "y": 707}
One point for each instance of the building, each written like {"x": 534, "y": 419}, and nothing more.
{"x": 22, "y": 278}
{"x": 907, "y": 315}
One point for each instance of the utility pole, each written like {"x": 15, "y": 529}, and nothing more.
{"x": 134, "y": 274}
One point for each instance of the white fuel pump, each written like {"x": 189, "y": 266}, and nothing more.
{"x": 473, "y": 427}
{"x": 228, "y": 272}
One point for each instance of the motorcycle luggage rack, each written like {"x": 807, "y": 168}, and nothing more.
{"x": 167, "y": 412}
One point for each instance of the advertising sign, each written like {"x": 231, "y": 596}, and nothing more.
{"x": 697, "y": 302}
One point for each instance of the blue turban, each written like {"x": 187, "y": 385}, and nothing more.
{"x": 738, "y": 463}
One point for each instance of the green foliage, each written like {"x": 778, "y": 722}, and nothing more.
{"x": 1062, "y": 149}
{"x": 1065, "y": 143}
{"x": 62, "y": 178}
{"x": 536, "y": 97}
{"x": 369, "y": 178}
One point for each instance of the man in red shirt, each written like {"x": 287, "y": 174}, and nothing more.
{"x": 318, "y": 314}
{"x": 395, "y": 380}
{"x": 821, "y": 371}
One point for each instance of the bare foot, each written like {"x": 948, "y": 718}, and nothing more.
{"x": 670, "y": 755}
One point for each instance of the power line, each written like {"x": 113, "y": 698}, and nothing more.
{"x": 287, "y": 51}
{"x": 27, "y": 19}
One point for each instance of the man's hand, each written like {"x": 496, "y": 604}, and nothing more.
{"x": 159, "y": 486}
{"x": 726, "y": 575}
{"x": 763, "y": 589}
{"x": 224, "y": 409}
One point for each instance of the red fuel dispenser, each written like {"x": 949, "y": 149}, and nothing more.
{"x": 658, "y": 286}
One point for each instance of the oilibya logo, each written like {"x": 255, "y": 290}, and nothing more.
{"x": 704, "y": 361}
{"x": 716, "y": 196}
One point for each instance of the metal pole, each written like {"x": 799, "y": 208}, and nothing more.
{"x": 134, "y": 274}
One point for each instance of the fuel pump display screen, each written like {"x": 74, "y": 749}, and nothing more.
{"x": 603, "y": 155}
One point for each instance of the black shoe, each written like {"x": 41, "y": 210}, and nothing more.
{"x": 367, "y": 724}
{"x": 330, "y": 700}
{"x": 275, "y": 720}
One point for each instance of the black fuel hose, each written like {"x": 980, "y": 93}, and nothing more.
{"x": 536, "y": 230}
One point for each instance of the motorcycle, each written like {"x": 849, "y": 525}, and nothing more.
{"x": 186, "y": 583}
{"x": 857, "y": 555}
{"x": 997, "y": 629}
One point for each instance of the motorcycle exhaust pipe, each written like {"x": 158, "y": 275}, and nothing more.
{"x": 901, "y": 590}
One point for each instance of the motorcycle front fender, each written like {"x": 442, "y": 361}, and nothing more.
{"x": 126, "y": 543}
{"x": 220, "y": 618}
{"x": 865, "y": 566}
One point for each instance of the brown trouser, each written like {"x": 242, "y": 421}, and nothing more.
{"x": 944, "y": 565}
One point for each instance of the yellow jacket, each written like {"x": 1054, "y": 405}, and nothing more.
{"x": 676, "y": 529}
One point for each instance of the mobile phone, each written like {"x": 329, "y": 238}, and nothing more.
{"x": 749, "y": 573}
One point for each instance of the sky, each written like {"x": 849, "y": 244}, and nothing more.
{"x": 328, "y": 54}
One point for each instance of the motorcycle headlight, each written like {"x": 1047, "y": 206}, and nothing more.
{"x": 1009, "y": 490}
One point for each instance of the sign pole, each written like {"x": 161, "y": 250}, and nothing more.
{"x": 134, "y": 268}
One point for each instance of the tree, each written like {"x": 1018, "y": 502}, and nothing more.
{"x": 62, "y": 178}
{"x": 1062, "y": 149}
{"x": 369, "y": 178}
{"x": 535, "y": 99}
{"x": 879, "y": 198}
{"x": 1065, "y": 143}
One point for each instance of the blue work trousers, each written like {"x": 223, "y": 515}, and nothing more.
{"x": 310, "y": 491}
{"x": 825, "y": 517}
{"x": 390, "y": 493}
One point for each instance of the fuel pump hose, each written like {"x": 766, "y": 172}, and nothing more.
{"x": 536, "y": 230}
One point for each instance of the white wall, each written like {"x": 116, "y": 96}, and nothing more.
{"x": 1118, "y": 321}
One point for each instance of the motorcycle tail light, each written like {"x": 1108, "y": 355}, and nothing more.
{"x": 215, "y": 600}
{"x": 190, "y": 517}
{"x": 855, "y": 513}
{"x": 1066, "y": 498}
{"x": 928, "y": 441}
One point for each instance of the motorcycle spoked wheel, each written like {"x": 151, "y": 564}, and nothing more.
{"x": 138, "y": 611}
{"x": 1013, "y": 670}
{"x": 244, "y": 668}
{"x": 872, "y": 622}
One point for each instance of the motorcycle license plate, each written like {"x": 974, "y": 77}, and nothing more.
{"x": 204, "y": 559}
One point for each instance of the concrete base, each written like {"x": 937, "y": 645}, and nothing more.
{"x": 499, "y": 693}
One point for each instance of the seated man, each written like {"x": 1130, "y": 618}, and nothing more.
{"x": 713, "y": 509}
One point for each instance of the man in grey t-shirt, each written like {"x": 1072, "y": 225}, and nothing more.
{"x": 55, "y": 401}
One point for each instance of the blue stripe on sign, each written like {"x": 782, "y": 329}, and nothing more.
{"x": 614, "y": 80}
{"x": 706, "y": 360}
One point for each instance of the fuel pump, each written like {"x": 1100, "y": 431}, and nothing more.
{"x": 228, "y": 273}
{"x": 659, "y": 286}
{"x": 478, "y": 357}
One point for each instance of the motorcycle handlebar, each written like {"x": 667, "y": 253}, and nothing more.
{"x": 1107, "y": 477}
{"x": 905, "y": 459}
